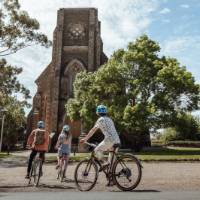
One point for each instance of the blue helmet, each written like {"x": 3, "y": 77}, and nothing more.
{"x": 66, "y": 128}
{"x": 40, "y": 124}
{"x": 101, "y": 109}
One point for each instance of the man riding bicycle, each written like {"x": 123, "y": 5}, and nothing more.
{"x": 107, "y": 127}
{"x": 38, "y": 141}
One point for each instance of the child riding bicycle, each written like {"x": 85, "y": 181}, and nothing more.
{"x": 64, "y": 146}
{"x": 38, "y": 141}
{"x": 107, "y": 127}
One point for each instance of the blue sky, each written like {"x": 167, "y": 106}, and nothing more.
{"x": 175, "y": 24}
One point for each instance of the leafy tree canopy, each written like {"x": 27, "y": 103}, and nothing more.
{"x": 17, "y": 29}
{"x": 141, "y": 89}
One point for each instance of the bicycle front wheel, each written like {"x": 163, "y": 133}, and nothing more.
{"x": 127, "y": 172}
{"x": 86, "y": 174}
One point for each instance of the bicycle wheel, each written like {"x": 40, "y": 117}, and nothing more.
{"x": 37, "y": 172}
{"x": 30, "y": 176}
{"x": 127, "y": 172}
{"x": 86, "y": 174}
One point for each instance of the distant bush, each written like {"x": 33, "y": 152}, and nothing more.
{"x": 187, "y": 127}
{"x": 168, "y": 135}
{"x": 156, "y": 142}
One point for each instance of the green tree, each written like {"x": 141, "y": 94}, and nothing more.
{"x": 15, "y": 115}
{"x": 14, "y": 120}
{"x": 141, "y": 89}
{"x": 17, "y": 29}
{"x": 9, "y": 83}
{"x": 187, "y": 127}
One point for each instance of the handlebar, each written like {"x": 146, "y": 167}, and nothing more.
{"x": 90, "y": 144}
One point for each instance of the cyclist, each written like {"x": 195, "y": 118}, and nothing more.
{"x": 64, "y": 145}
{"x": 107, "y": 127}
{"x": 38, "y": 141}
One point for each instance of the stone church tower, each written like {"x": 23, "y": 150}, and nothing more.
{"x": 77, "y": 46}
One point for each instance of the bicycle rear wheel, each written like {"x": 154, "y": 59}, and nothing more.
{"x": 86, "y": 174}
{"x": 37, "y": 172}
{"x": 30, "y": 176}
{"x": 127, "y": 172}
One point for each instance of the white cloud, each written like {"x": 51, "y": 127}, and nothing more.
{"x": 120, "y": 23}
{"x": 186, "y": 49}
{"x": 175, "y": 45}
{"x": 184, "y": 6}
{"x": 166, "y": 21}
{"x": 165, "y": 11}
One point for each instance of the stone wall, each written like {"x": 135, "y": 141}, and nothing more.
{"x": 77, "y": 46}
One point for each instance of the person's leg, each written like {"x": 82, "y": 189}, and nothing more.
{"x": 66, "y": 164}
{"x": 102, "y": 147}
{"x": 42, "y": 156}
{"x": 32, "y": 156}
{"x": 110, "y": 155}
{"x": 59, "y": 158}
{"x": 58, "y": 162}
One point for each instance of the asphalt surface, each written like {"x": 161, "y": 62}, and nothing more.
{"x": 136, "y": 195}
{"x": 166, "y": 177}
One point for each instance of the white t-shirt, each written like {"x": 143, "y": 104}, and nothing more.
{"x": 106, "y": 125}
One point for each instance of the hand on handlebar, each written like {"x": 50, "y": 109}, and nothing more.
{"x": 82, "y": 141}
{"x": 28, "y": 146}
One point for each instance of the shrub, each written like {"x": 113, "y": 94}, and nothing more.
{"x": 169, "y": 134}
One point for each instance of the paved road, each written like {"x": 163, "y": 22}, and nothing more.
{"x": 156, "y": 177}
{"x": 137, "y": 195}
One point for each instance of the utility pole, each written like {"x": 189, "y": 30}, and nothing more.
{"x": 2, "y": 125}
{"x": 1, "y": 139}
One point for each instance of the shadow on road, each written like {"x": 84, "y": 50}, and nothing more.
{"x": 138, "y": 191}
{"x": 56, "y": 186}
{"x": 5, "y": 188}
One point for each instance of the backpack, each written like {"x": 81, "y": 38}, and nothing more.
{"x": 39, "y": 137}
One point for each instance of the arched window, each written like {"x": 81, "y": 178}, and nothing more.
{"x": 70, "y": 72}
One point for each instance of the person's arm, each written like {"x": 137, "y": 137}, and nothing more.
{"x": 47, "y": 138}
{"x": 31, "y": 138}
{"x": 89, "y": 135}
{"x": 58, "y": 142}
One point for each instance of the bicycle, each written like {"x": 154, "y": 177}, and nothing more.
{"x": 125, "y": 168}
{"x": 62, "y": 168}
{"x": 36, "y": 170}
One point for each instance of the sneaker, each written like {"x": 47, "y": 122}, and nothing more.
{"x": 27, "y": 176}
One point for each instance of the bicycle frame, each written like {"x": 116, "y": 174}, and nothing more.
{"x": 35, "y": 162}
{"x": 118, "y": 169}
{"x": 108, "y": 171}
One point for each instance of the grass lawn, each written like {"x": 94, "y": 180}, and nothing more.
{"x": 170, "y": 154}
{"x": 153, "y": 154}
{"x": 3, "y": 155}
